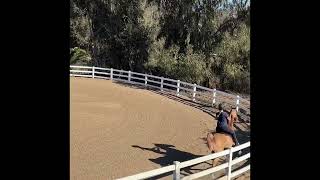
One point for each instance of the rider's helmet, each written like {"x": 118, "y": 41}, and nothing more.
{"x": 221, "y": 106}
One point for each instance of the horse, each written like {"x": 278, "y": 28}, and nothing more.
{"x": 233, "y": 117}
{"x": 220, "y": 141}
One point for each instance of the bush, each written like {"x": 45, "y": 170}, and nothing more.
{"x": 80, "y": 57}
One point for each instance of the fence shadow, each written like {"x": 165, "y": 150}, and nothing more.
{"x": 242, "y": 135}
{"x": 205, "y": 108}
{"x": 171, "y": 154}
{"x": 199, "y": 105}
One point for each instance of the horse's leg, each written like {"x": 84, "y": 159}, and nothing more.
{"x": 215, "y": 162}
{"x": 210, "y": 142}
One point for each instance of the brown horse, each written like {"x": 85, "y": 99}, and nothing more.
{"x": 218, "y": 142}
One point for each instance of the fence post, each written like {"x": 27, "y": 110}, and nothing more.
{"x": 145, "y": 79}
{"x": 111, "y": 74}
{"x": 238, "y": 100}
{"x": 161, "y": 83}
{"x": 92, "y": 71}
{"x": 176, "y": 173}
{"x": 178, "y": 87}
{"x": 194, "y": 92}
{"x": 129, "y": 76}
{"x": 214, "y": 97}
{"x": 229, "y": 164}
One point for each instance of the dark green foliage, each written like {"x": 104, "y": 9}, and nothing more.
{"x": 203, "y": 42}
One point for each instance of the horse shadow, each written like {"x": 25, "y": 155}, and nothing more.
{"x": 171, "y": 154}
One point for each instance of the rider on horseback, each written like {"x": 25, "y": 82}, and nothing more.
{"x": 222, "y": 125}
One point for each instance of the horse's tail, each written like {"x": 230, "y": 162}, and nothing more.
{"x": 210, "y": 141}
{"x": 210, "y": 136}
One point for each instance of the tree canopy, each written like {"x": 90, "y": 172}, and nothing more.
{"x": 203, "y": 42}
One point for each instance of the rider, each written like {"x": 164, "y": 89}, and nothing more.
{"x": 222, "y": 125}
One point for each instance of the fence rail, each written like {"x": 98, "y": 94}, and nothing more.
{"x": 195, "y": 90}
{"x": 99, "y": 68}
{"x": 150, "y": 174}
{"x": 177, "y": 166}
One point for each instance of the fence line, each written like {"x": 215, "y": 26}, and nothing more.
{"x": 177, "y": 166}
{"x": 161, "y": 83}
{"x": 236, "y": 101}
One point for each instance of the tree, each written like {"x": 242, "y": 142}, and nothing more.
{"x": 206, "y": 42}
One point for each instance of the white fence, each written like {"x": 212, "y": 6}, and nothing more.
{"x": 196, "y": 92}
{"x": 175, "y": 168}
{"x": 178, "y": 86}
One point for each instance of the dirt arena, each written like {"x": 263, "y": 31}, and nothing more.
{"x": 116, "y": 131}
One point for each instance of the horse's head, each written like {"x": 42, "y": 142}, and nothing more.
{"x": 233, "y": 115}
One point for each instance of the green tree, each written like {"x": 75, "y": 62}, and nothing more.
{"x": 203, "y": 42}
